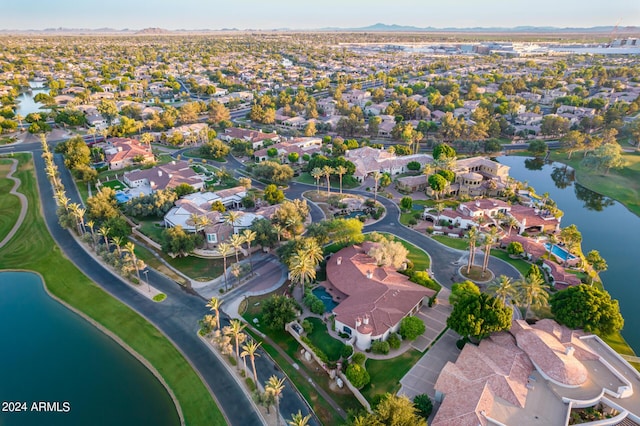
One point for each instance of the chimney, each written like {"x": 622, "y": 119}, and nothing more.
{"x": 159, "y": 172}
{"x": 339, "y": 261}
{"x": 358, "y": 322}
{"x": 569, "y": 350}
{"x": 477, "y": 203}
{"x": 365, "y": 320}
{"x": 369, "y": 274}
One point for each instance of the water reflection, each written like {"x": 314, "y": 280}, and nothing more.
{"x": 592, "y": 200}
{"x": 563, "y": 176}
{"x": 534, "y": 163}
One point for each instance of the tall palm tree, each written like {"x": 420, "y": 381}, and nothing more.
{"x": 81, "y": 212}
{"x": 236, "y": 241}
{"x": 428, "y": 169}
{"x": 503, "y": 289}
{"x": 313, "y": 250}
{"x": 278, "y": 229}
{"x": 327, "y": 171}
{"x": 341, "y": 171}
{"x": 488, "y": 240}
{"x": 214, "y": 305}
{"x": 104, "y": 231}
{"x": 199, "y": 222}
{"x": 234, "y": 330}
{"x": 376, "y": 178}
{"x": 317, "y": 174}
{"x": 299, "y": 420}
{"x": 274, "y": 387}
{"x": 130, "y": 248}
{"x": 439, "y": 208}
{"x": 211, "y": 321}
{"x": 235, "y": 271}
{"x": 225, "y": 250}
{"x": 251, "y": 349}
{"x": 511, "y": 222}
{"x": 232, "y": 218}
{"x": 473, "y": 238}
{"x": 533, "y": 291}
{"x": 249, "y": 236}
{"x": 301, "y": 269}
{"x": 118, "y": 240}
{"x": 91, "y": 224}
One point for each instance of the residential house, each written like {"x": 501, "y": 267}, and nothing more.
{"x": 534, "y": 220}
{"x": 372, "y": 299}
{"x": 560, "y": 278}
{"x": 256, "y": 137}
{"x": 301, "y": 146}
{"x": 476, "y": 177}
{"x": 536, "y": 374}
{"x": 368, "y": 160}
{"x": 125, "y": 152}
{"x": 166, "y": 176}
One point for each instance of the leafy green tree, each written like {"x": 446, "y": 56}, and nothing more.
{"x": 437, "y": 183}
{"x": 279, "y": 310}
{"x": 571, "y": 236}
{"x": 605, "y": 157}
{"x": 358, "y": 375}
{"x": 108, "y": 109}
{"x": 76, "y": 152}
{"x": 537, "y": 147}
{"x": 272, "y": 194}
{"x": 176, "y": 241}
{"x": 406, "y": 203}
{"x": 588, "y": 308}
{"x": 183, "y": 189}
{"x": 596, "y": 261}
{"x": 461, "y": 289}
{"x": 423, "y": 405}
{"x": 515, "y": 248}
{"x": 411, "y": 327}
{"x": 443, "y": 150}
{"x": 215, "y": 149}
{"x": 397, "y": 411}
{"x": 102, "y": 205}
{"x": 479, "y": 315}
{"x": 266, "y": 235}
{"x": 279, "y": 174}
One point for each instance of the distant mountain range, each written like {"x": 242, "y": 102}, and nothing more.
{"x": 379, "y": 27}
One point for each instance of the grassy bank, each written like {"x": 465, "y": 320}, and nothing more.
{"x": 10, "y": 205}
{"x": 622, "y": 185}
{"x": 34, "y": 249}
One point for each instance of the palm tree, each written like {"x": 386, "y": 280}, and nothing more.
{"x": 274, "y": 387}
{"x": 249, "y": 236}
{"x": 340, "y": 171}
{"x": 91, "y": 224}
{"x": 211, "y": 321}
{"x": 199, "y": 222}
{"x": 130, "y": 248}
{"x": 104, "y": 231}
{"x": 236, "y": 241}
{"x": 327, "y": 171}
{"x": 232, "y": 218}
{"x": 301, "y": 269}
{"x": 439, "y": 208}
{"x": 278, "y": 229}
{"x": 317, "y": 174}
{"x": 118, "y": 240}
{"x": 234, "y": 329}
{"x": 299, "y": 420}
{"x": 473, "y": 238}
{"x": 225, "y": 250}
{"x": 74, "y": 208}
{"x": 62, "y": 199}
{"x": 92, "y": 132}
{"x": 533, "y": 291}
{"x": 146, "y": 139}
{"x": 214, "y": 304}
{"x": 251, "y": 349}
{"x": 313, "y": 250}
{"x": 502, "y": 289}
{"x": 81, "y": 212}
{"x": 235, "y": 271}
{"x": 511, "y": 223}
{"x": 376, "y": 177}
{"x": 428, "y": 169}
{"x": 488, "y": 241}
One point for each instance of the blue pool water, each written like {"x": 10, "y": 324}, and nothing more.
{"x": 559, "y": 251}
{"x": 122, "y": 197}
{"x": 356, "y": 213}
{"x": 321, "y": 293}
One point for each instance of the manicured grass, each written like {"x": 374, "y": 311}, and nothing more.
{"x": 9, "y": 203}
{"x": 151, "y": 230}
{"x": 114, "y": 184}
{"x": 618, "y": 344}
{"x": 520, "y": 264}
{"x": 323, "y": 341}
{"x": 34, "y": 249}
{"x": 456, "y": 243}
{"x": 198, "y": 268}
{"x": 386, "y": 374}
{"x": 622, "y": 185}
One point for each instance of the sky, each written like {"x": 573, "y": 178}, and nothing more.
{"x": 308, "y": 14}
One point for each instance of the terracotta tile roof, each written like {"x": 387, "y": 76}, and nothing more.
{"x": 532, "y": 216}
{"x": 534, "y": 248}
{"x": 386, "y": 297}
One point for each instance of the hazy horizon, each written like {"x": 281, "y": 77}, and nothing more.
{"x": 252, "y": 14}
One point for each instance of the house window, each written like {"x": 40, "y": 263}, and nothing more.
{"x": 346, "y": 330}
{"x": 212, "y": 238}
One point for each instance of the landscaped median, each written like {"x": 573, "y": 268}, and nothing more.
{"x": 34, "y": 249}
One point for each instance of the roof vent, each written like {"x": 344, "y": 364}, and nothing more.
{"x": 358, "y": 322}
{"x": 339, "y": 260}
{"x": 365, "y": 320}
{"x": 369, "y": 274}
{"x": 569, "y": 351}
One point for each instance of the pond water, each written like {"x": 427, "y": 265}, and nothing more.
{"x": 50, "y": 354}
{"x": 26, "y": 104}
{"x": 606, "y": 226}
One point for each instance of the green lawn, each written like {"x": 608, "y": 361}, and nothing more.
{"x": 386, "y": 374}
{"x": 520, "y": 264}
{"x": 151, "y": 229}
{"x": 622, "y": 185}
{"x": 114, "y": 184}
{"x": 33, "y": 249}
{"x": 323, "y": 341}
{"x": 10, "y": 206}
{"x": 456, "y": 243}
{"x": 198, "y": 268}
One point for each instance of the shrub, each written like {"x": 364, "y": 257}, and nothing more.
{"x": 250, "y": 384}
{"x": 394, "y": 341}
{"x": 413, "y": 221}
{"x": 232, "y": 360}
{"x": 423, "y": 404}
{"x": 380, "y": 347}
{"x": 358, "y": 358}
{"x": 347, "y": 351}
{"x": 515, "y": 248}
{"x": 406, "y": 203}
{"x": 308, "y": 326}
{"x": 411, "y": 327}
{"x": 159, "y": 297}
{"x": 358, "y": 375}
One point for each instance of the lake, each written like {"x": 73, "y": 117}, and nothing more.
{"x": 51, "y": 354}
{"x": 606, "y": 226}
{"x": 26, "y": 104}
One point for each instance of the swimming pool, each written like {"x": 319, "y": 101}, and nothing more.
{"x": 123, "y": 197}
{"x": 321, "y": 293}
{"x": 559, "y": 252}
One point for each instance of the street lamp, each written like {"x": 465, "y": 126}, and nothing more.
{"x": 146, "y": 278}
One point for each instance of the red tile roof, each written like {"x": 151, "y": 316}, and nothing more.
{"x": 386, "y": 297}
